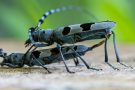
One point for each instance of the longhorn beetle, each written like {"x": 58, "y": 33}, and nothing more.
{"x": 47, "y": 56}
{"x": 72, "y": 34}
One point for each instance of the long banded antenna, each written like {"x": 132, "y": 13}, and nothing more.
{"x": 46, "y": 14}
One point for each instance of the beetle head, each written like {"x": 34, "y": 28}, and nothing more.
{"x": 12, "y": 59}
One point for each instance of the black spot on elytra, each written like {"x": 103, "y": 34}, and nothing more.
{"x": 36, "y": 54}
{"x": 66, "y": 30}
{"x": 86, "y": 26}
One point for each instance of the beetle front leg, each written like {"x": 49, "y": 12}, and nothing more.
{"x": 59, "y": 47}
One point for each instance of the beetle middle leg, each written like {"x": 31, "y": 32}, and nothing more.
{"x": 40, "y": 63}
{"x": 88, "y": 67}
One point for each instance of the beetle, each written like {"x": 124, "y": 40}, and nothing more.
{"x": 72, "y": 34}
{"x": 47, "y": 56}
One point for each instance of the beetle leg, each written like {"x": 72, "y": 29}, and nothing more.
{"x": 106, "y": 56}
{"x": 88, "y": 67}
{"x": 76, "y": 61}
{"x": 59, "y": 47}
{"x": 116, "y": 52}
{"x": 40, "y": 63}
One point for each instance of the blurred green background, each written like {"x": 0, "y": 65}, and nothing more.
{"x": 17, "y": 16}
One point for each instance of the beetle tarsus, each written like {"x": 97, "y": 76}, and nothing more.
{"x": 125, "y": 65}
{"x": 112, "y": 66}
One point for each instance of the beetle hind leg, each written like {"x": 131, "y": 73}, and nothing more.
{"x": 106, "y": 57}
{"x": 116, "y": 53}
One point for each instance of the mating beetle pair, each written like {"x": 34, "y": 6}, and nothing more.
{"x": 46, "y": 56}
{"x": 64, "y": 35}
